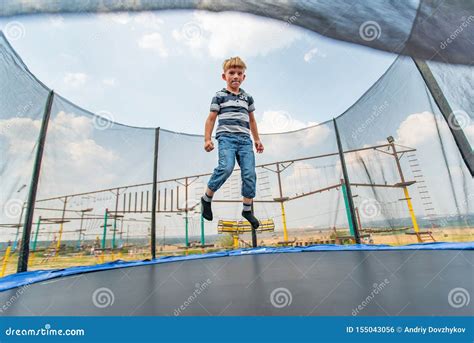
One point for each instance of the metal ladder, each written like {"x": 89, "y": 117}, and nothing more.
{"x": 425, "y": 196}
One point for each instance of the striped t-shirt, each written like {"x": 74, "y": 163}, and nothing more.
{"x": 232, "y": 111}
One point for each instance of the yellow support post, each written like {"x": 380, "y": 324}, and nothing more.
{"x": 405, "y": 190}
{"x": 31, "y": 259}
{"x": 61, "y": 228}
{"x": 412, "y": 213}
{"x": 58, "y": 245}
{"x": 5, "y": 261}
{"x": 283, "y": 218}
{"x": 236, "y": 241}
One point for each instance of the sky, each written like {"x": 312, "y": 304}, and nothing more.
{"x": 162, "y": 68}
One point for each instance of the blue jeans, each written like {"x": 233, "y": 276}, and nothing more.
{"x": 235, "y": 147}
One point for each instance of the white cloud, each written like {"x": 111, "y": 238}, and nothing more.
{"x": 143, "y": 19}
{"x": 72, "y": 154}
{"x": 56, "y": 21}
{"x": 280, "y": 121}
{"x": 313, "y": 53}
{"x": 75, "y": 79}
{"x": 294, "y": 143}
{"x": 153, "y": 41}
{"x": 109, "y": 82}
{"x": 416, "y": 129}
{"x": 227, "y": 34}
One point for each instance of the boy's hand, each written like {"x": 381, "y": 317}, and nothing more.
{"x": 208, "y": 145}
{"x": 259, "y": 146}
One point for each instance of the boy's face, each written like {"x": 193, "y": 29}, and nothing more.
{"x": 234, "y": 77}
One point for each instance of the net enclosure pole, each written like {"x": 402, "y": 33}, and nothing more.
{"x": 25, "y": 241}
{"x": 350, "y": 200}
{"x": 456, "y": 130}
{"x": 153, "y": 193}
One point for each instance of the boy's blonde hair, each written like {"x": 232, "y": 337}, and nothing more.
{"x": 233, "y": 62}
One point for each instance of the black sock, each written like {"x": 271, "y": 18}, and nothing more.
{"x": 206, "y": 209}
{"x": 250, "y": 217}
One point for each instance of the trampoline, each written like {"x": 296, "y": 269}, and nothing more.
{"x": 69, "y": 212}
{"x": 403, "y": 282}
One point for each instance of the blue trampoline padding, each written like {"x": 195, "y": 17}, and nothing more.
{"x": 22, "y": 279}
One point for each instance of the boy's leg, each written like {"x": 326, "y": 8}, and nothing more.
{"x": 246, "y": 161}
{"x": 221, "y": 173}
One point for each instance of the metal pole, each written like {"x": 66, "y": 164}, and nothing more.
{"x": 25, "y": 242}
{"x": 348, "y": 210}
{"x": 202, "y": 231}
{"x": 105, "y": 228}
{"x": 80, "y": 231}
{"x": 36, "y": 234}
{"x": 352, "y": 219}
{"x": 282, "y": 205}
{"x": 153, "y": 195}
{"x": 115, "y": 217}
{"x": 254, "y": 234}
{"x": 406, "y": 193}
{"x": 186, "y": 210}
{"x": 18, "y": 228}
{"x": 61, "y": 226}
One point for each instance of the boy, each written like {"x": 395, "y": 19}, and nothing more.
{"x": 234, "y": 108}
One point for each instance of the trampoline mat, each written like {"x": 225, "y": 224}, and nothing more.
{"x": 342, "y": 283}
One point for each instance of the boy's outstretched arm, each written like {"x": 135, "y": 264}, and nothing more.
{"x": 254, "y": 130}
{"x": 211, "y": 120}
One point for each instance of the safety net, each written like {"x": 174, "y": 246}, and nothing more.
{"x": 392, "y": 169}
{"x": 428, "y": 29}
